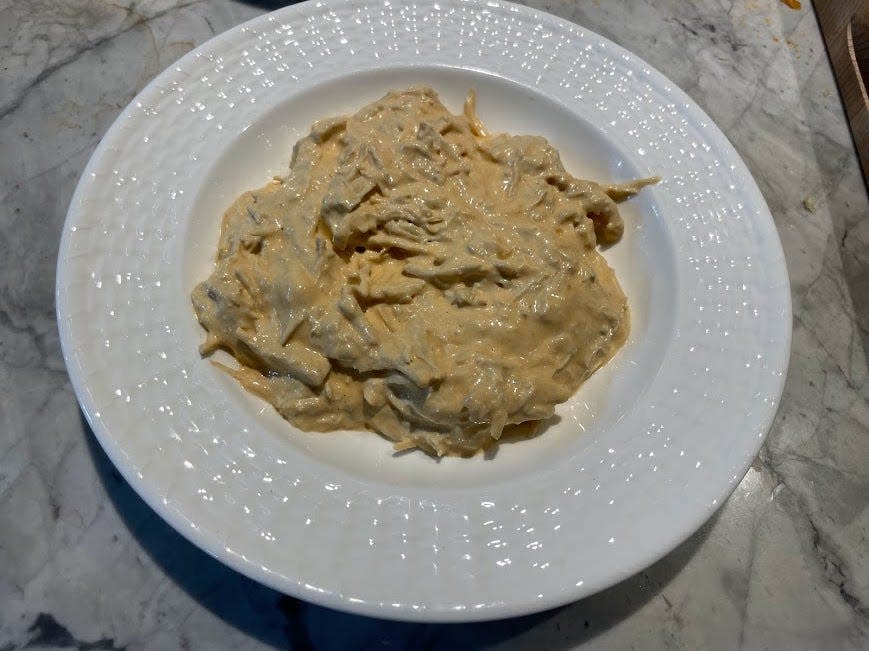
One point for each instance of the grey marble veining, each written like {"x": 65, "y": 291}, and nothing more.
{"x": 84, "y": 563}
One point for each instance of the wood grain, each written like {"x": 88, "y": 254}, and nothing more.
{"x": 845, "y": 27}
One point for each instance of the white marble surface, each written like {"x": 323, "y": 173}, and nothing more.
{"x": 784, "y": 564}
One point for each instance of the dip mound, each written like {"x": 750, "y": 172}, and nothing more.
{"x": 416, "y": 276}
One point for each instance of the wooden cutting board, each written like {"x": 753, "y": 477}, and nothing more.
{"x": 845, "y": 27}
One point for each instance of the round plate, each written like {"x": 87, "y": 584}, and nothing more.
{"x": 633, "y": 464}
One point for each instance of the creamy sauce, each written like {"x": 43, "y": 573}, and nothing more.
{"x": 416, "y": 276}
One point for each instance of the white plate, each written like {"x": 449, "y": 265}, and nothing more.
{"x": 641, "y": 456}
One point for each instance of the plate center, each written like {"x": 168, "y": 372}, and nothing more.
{"x": 643, "y": 262}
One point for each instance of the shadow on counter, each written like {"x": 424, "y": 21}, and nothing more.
{"x": 285, "y": 622}
{"x": 270, "y": 5}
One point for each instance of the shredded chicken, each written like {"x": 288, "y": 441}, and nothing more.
{"x": 417, "y": 276}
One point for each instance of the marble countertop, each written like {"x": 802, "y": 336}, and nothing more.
{"x": 85, "y": 564}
